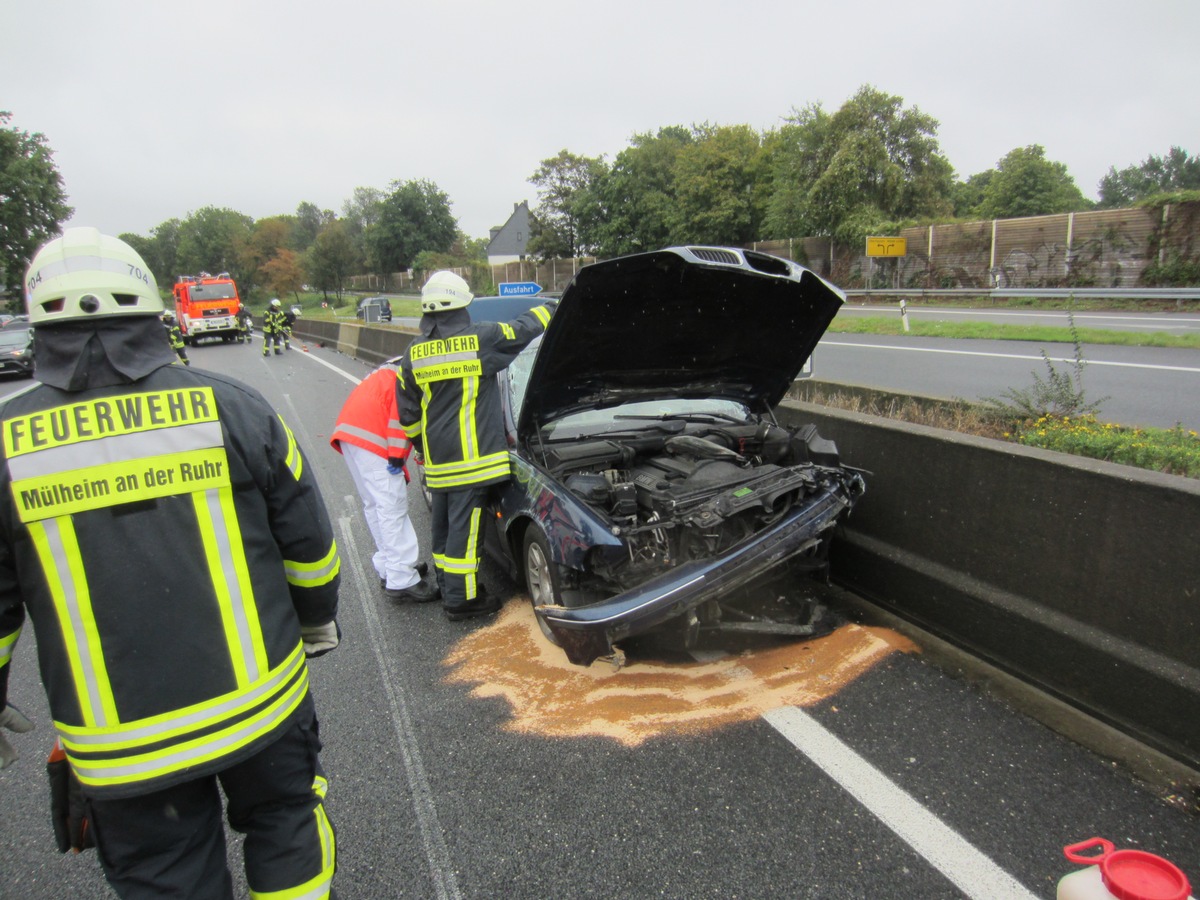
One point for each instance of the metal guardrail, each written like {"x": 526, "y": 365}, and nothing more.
{"x": 1038, "y": 293}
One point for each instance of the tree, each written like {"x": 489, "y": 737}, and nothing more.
{"x": 871, "y": 160}
{"x": 359, "y": 213}
{"x": 309, "y": 221}
{"x": 715, "y": 184}
{"x": 634, "y": 199}
{"x": 1028, "y": 184}
{"x": 564, "y": 185}
{"x": 415, "y": 216}
{"x": 330, "y": 259}
{"x": 32, "y": 201}
{"x": 1155, "y": 175}
{"x": 212, "y": 240}
{"x": 282, "y": 273}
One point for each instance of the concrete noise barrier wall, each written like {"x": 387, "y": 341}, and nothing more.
{"x": 1078, "y": 576}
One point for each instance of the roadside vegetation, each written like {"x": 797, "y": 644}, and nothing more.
{"x": 893, "y": 325}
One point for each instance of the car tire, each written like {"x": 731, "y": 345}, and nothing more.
{"x": 418, "y": 475}
{"x": 541, "y": 576}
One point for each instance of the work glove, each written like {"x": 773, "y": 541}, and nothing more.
{"x": 395, "y": 465}
{"x": 320, "y": 639}
{"x": 13, "y": 720}
{"x": 551, "y": 306}
{"x": 68, "y": 808}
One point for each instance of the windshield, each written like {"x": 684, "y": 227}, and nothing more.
{"x": 17, "y": 337}
{"x": 213, "y": 292}
{"x": 612, "y": 418}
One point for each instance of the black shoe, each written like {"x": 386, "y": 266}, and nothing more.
{"x": 421, "y": 592}
{"x": 482, "y": 605}
{"x": 422, "y": 569}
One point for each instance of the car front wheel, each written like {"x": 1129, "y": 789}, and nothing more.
{"x": 541, "y": 576}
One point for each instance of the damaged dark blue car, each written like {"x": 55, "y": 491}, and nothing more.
{"x": 652, "y": 486}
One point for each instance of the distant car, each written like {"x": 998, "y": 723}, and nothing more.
{"x": 5, "y": 318}
{"x": 15, "y": 322}
{"x": 381, "y": 303}
{"x": 16, "y": 350}
{"x": 653, "y": 488}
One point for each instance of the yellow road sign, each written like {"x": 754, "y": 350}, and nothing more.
{"x": 887, "y": 246}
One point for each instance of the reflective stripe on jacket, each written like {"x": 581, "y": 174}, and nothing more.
{"x": 369, "y": 419}
{"x": 274, "y": 321}
{"x": 447, "y": 394}
{"x": 168, "y": 542}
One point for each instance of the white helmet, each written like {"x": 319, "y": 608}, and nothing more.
{"x": 443, "y": 291}
{"x": 275, "y": 302}
{"x": 84, "y": 275}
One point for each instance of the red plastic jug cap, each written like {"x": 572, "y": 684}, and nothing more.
{"x": 1137, "y": 875}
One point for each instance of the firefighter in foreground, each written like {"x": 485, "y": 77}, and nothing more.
{"x": 176, "y": 560}
{"x": 275, "y": 328}
{"x": 449, "y": 404}
{"x": 175, "y": 337}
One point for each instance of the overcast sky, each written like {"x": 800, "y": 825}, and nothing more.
{"x": 156, "y": 109}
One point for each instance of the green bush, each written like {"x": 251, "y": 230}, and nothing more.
{"x": 1174, "y": 451}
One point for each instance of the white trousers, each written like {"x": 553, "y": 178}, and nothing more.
{"x": 385, "y": 507}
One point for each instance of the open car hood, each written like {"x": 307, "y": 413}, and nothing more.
{"x": 681, "y": 322}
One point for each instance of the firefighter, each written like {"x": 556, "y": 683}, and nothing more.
{"x": 449, "y": 402}
{"x": 171, "y": 548}
{"x": 273, "y": 327}
{"x": 175, "y": 337}
{"x": 289, "y": 319}
{"x": 375, "y": 448}
{"x": 245, "y": 325}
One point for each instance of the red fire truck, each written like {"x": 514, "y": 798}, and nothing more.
{"x": 206, "y": 307}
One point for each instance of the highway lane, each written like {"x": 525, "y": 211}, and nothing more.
{"x": 1147, "y": 386}
{"x": 467, "y": 759}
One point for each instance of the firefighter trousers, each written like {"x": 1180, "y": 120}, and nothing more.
{"x": 171, "y": 843}
{"x": 269, "y": 336}
{"x": 457, "y": 522}
{"x": 385, "y": 507}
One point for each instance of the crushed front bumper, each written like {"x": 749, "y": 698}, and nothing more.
{"x": 587, "y": 633}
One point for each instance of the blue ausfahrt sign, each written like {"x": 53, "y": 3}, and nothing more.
{"x": 519, "y": 288}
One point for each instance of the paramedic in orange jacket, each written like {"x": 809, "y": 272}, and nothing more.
{"x": 374, "y": 446}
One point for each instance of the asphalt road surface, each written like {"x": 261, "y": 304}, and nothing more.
{"x": 469, "y": 760}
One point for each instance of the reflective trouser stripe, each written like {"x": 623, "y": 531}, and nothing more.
{"x": 198, "y": 751}
{"x": 318, "y": 887}
{"x": 7, "y": 644}
{"x": 467, "y": 566}
{"x": 222, "y": 539}
{"x": 314, "y": 574}
{"x": 58, "y": 551}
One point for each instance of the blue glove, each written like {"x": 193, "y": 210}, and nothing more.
{"x": 395, "y": 470}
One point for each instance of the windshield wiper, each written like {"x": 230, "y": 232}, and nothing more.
{"x": 707, "y": 418}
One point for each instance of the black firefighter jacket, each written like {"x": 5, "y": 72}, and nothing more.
{"x": 447, "y": 394}
{"x": 168, "y": 541}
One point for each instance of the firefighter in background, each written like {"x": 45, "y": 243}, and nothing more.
{"x": 245, "y": 324}
{"x": 274, "y": 324}
{"x": 175, "y": 337}
{"x": 449, "y": 404}
{"x": 289, "y": 319}
{"x": 375, "y": 448}
{"x": 176, "y": 586}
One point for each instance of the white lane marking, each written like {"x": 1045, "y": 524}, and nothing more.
{"x": 441, "y": 868}
{"x": 330, "y": 365}
{"x": 825, "y": 342}
{"x": 969, "y": 869}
